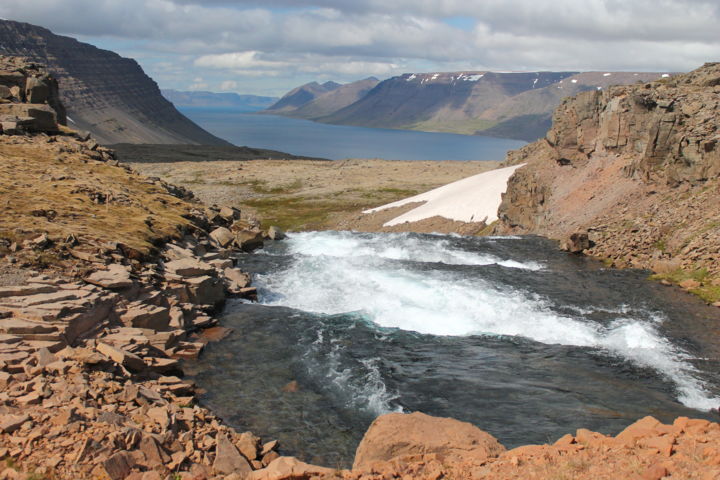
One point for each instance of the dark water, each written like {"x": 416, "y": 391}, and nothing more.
{"x": 303, "y": 137}
{"x": 522, "y": 340}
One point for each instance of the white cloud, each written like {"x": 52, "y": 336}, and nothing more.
{"x": 288, "y": 42}
{"x": 228, "y": 85}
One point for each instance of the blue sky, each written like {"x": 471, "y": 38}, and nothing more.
{"x": 268, "y": 47}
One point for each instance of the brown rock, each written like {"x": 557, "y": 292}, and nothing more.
{"x": 118, "y": 466}
{"x": 576, "y": 243}
{"x": 237, "y": 277}
{"x": 10, "y": 423}
{"x": 116, "y": 277}
{"x": 274, "y": 233}
{"x": 227, "y": 458}
{"x": 249, "y": 240}
{"x": 142, "y": 315}
{"x": 289, "y": 468}
{"x": 189, "y": 267}
{"x": 123, "y": 357}
{"x": 249, "y": 445}
{"x": 222, "y": 236}
{"x": 206, "y": 290}
{"x": 396, "y": 434}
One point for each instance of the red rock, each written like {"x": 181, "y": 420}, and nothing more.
{"x": 227, "y": 458}
{"x": 656, "y": 472}
{"x": 289, "y": 468}
{"x": 124, "y": 358}
{"x": 116, "y": 277}
{"x": 118, "y": 466}
{"x": 10, "y": 423}
{"x": 396, "y": 434}
{"x": 189, "y": 267}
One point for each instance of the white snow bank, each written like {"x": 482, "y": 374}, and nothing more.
{"x": 471, "y": 199}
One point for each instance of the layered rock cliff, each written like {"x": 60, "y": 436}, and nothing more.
{"x": 103, "y": 92}
{"x": 638, "y": 168}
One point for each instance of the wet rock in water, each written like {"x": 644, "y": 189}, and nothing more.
{"x": 249, "y": 240}
{"x": 274, "y": 233}
{"x": 576, "y": 243}
{"x": 398, "y": 435}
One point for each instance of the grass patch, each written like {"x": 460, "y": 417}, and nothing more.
{"x": 707, "y": 291}
{"x": 43, "y": 191}
{"x": 463, "y": 127}
{"x": 295, "y": 213}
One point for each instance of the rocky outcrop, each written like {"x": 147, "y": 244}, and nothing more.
{"x": 443, "y": 448}
{"x": 104, "y": 93}
{"x": 29, "y": 98}
{"x": 637, "y": 168}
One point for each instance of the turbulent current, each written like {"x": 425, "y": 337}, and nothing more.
{"x": 508, "y": 333}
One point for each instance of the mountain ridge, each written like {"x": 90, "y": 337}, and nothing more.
{"x": 181, "y": 98}
{"x": 104, "y": 93}
{"x": 515, "y": 105}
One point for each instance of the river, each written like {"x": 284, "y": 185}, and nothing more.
{"x": 524, "y": 341}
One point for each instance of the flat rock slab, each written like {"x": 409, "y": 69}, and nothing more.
{"x": 22, "y": 290}
{"x": 116, "y": 277}
{"x": 189, "y": 267}
{"x": 17, "y": 326}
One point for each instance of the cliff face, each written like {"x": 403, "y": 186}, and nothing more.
{"x": 638, "y": 167}
{"x": 104, "y": 93}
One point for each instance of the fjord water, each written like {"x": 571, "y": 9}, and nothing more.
{"x": 336, "y": 142}
{"x": 522, "y": 340}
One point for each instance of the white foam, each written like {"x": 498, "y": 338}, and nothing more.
{"x": 341, "y": 272}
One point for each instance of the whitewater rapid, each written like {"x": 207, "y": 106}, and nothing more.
{"x": 430, "y": 285}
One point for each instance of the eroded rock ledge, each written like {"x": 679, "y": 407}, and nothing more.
{"x": 637, "y": 169}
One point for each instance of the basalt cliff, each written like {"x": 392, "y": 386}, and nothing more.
{"x": 104, "y": 93}
{"x": 633, "y": 174}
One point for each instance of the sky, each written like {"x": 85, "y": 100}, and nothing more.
{"x": 269, "y": 47}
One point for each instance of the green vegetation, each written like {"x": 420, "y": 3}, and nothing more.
{"x": 463, "y": 127}
{"x": 294, "y": 213}
{"x": 706, "y": 290}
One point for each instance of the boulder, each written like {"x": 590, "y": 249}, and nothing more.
{"x": 222, "y": 236}
{"x": 228, "y": 459}
{"x": 206, "y": 290}
{"x": 43, "y": 117}
{"x": 123, "y": 357}
{"x": 576, "y": 243}
{"x": 398, "y": 434}
{"x": 37, "y": 90}
{"x": 274, "y": 233}
{"x": 147, "y": 316}
{"x": 229, "y": 214}
{"x": 249, "y": 240}
{"x": 116, "y": 277}
{"x": 119, "y": 465}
